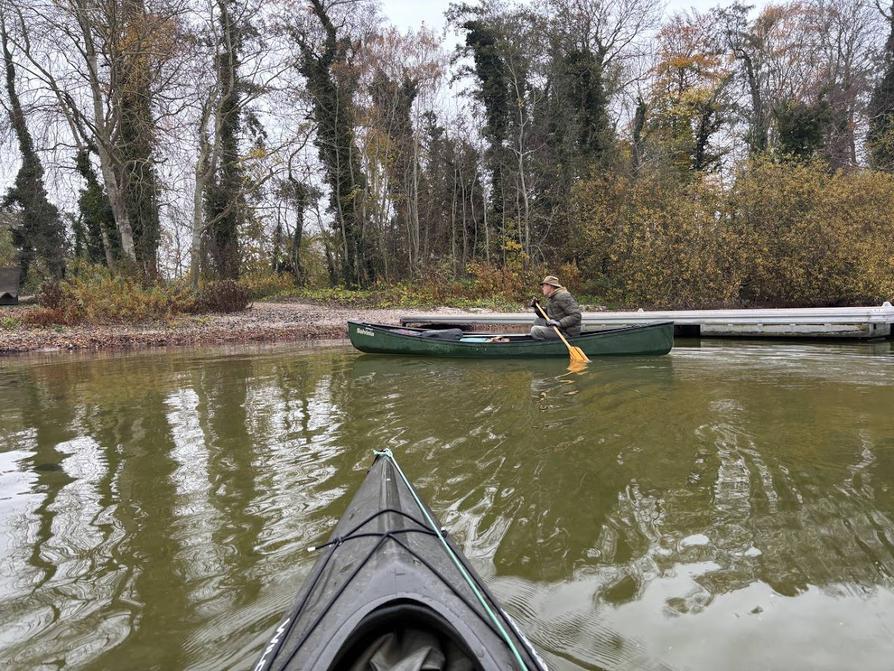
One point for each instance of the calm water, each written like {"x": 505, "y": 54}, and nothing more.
{"x": 727, "y": 506}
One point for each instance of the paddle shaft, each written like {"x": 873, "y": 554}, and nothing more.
{"x": 540, "y": 313}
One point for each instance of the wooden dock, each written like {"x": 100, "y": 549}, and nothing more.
{"x": 864, "y": 323}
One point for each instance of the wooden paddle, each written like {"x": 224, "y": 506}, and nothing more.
{"x": 575, "y": 353}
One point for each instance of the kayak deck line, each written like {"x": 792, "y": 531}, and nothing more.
{"x": 338, "y": 540}
{"x": 334, "y": 544}
{"x": 386, "y": 453}
{"x": 301, "y": 641}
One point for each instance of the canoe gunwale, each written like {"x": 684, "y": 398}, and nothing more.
{"x": 525, "y": 339}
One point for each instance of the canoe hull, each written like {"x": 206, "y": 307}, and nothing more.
{"x": 650, "y": 339}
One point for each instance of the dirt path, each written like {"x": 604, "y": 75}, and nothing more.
{"x": 263, "y": 322}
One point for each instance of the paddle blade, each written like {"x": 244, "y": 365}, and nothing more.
{"x": 576, "y": 367}
{"x": 577, "y": 355}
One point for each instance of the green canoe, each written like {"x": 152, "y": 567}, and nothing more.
{"x": 655, "y": 338}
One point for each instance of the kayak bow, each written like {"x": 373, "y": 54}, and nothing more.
{"x": 393, "y": 592}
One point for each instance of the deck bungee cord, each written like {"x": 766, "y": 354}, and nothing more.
{"x": 294, "y": 644}
{"x": 333, "y": 545}
{"x": 456, "y": 561}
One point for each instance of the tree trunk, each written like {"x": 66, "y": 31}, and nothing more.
{"x": 224, "y": 195}
{"x": 103, "y": 133}
{"x": 206, "y": 163}
{"x": 135, "y": 133}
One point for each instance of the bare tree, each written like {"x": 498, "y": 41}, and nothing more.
{"x": 847, "y": 36}
{"x": 102, "y": 60}
{"x": 615, "y": 32}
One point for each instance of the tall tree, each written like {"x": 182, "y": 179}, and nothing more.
{"x": 747, "y": 45}
{"x": 400, "y": 76}
{"x": 225, "y": 196}
{"x": 139, "y": 42}
{"x": 508, "y": 50}
{"x": 690, "y": 101}
{"x": 483, "y": 44}
{"x": 392, "y": 102}
{"x": 846, "y": 39}
{"x": 104, "y": 92}
{"x": 603, "y": 43}
{"x": 326, "y": 63}
{"x": 41, "y": 232}
{"x": 881, "y": 107}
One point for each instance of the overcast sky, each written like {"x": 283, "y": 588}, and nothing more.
{"x": 412, "y": 13}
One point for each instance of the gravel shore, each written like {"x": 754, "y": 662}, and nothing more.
{"x": 263, "y": 322}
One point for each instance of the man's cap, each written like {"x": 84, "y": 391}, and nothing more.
{"x": 551, "y": 280}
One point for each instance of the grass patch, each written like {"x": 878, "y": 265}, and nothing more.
{"x": 10, "y": 323}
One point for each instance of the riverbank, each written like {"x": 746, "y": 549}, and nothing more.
{"x": 262, "y": 322}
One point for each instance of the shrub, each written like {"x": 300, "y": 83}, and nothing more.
{"x": 518, "y": 278}
{"x": 785, "y": 233}
{"x": 224, "y": 296}
{"x": 648, "y": 243}
{"x": 51, "y": 295}
{"x": 262, "y": 284}
{"x": 815, "y": 237}
{"x": 93, "y": 294}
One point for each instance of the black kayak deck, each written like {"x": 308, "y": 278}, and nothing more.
{"x": 389, "y": 585}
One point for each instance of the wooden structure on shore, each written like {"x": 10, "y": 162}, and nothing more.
{"x": 863, "y": 323}
{"x": 9, "y": 285}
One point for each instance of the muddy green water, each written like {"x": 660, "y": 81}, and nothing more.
{"x": 728, "y": 506}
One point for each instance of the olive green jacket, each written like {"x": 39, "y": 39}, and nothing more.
{"x": 564, "y": 309}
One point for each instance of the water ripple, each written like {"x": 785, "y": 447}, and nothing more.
{"x": 647, "y": 513}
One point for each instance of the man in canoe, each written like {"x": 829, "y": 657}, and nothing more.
{"x": 562, "y": 310}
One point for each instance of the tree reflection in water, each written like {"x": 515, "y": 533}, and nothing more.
{"x": 720, "y": 507}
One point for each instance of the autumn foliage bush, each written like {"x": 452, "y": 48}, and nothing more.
{"x": 515, "y": 278}
{"x": 785, "y": 233}
{"x": 95, "y": 295}
{"x": 644, "y": 242}
{"x": 814, "y": 238}
{"x": 224, "y": 296}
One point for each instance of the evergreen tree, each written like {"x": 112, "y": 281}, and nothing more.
{"x": 101, "y": 242}
{"x": 586, "y": 95}
{"x": 490, "y": 71}
{"x": 801, "y": 127}
{"x": 41, "y": 233}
